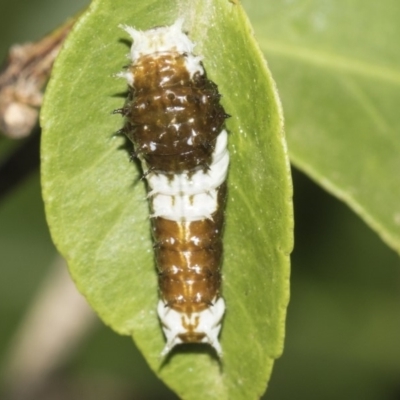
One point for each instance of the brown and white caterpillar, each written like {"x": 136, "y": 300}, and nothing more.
{"x": 175, "y": 121}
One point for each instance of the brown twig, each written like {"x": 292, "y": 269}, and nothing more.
{"x": 22, "y": 79}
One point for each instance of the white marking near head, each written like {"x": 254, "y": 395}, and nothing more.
{"x": 164, "y": 39}
{"x": 125, "y": 75}
{"x": 153, "y": 146}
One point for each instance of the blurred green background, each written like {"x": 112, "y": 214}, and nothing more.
{"x": 343, "y": 327}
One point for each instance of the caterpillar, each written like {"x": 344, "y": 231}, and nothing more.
{"x": 175, "y": 120}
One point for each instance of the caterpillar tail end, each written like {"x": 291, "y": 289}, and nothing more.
{"x": 197, "y": 327}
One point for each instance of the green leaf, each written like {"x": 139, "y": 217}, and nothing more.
{"x": 99, "y": 217}
{"x": 336, "y": 63}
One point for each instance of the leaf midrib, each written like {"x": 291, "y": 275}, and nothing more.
{"x": 330, "y": 61}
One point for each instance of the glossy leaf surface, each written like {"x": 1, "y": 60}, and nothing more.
{"x": 336, "y": 64}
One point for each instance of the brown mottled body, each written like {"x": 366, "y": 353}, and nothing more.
{"x": 180, "y": 115}
{"x": 174, "y": 120}
{"x": 189, "y": 256}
